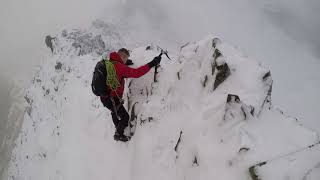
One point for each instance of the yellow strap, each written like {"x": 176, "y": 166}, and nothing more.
{"x": 112, "y": 80}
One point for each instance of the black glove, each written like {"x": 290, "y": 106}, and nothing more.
{"x": 155, "y": 61}
{"x": 129, "y": 62}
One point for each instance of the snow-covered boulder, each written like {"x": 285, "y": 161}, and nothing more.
{"x": 205, "y": 114}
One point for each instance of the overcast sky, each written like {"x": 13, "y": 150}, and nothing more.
{"x": 25, "y": 23}
{"x": 298, "y": 18}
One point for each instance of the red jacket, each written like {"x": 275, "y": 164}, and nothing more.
{"x": 123, "y": 71}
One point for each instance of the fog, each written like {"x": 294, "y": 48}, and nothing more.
{"x": 4, "y": 105}
{"x": 24, "y": 24}
{"x": 297, "y": 18}
{"x": 283, "y": 34}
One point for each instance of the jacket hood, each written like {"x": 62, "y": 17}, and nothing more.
{"x": 114, "y": 56}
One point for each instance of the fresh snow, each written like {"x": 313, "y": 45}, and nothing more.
{"x": 186, "y": 128}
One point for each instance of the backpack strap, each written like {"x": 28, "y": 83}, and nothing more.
{"x": 112, "y": 80}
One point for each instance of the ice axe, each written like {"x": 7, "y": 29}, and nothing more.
{"x": 156, "y": 68}
{"x": 165, "y": 52}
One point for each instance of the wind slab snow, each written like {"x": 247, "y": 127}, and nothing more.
{"x": 207, "y": 116}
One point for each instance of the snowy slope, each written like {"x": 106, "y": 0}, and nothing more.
{"x": 209, "y": 115}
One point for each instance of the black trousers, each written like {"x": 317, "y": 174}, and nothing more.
{"x": 120, "y": 116}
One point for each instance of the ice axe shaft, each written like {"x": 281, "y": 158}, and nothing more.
{"x": 156, "y": 68}
{"x": 155, "y": 74}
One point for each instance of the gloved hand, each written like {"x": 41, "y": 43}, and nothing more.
{"x": 155, "y": 61}
{"x": 129, "y": 62}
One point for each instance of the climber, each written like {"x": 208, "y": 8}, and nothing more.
{"x": 115, "y": 86}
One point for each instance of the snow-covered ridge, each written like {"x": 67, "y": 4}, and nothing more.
{"x": 206, "y": 114}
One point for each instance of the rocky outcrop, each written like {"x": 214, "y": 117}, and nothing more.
{"x": 85, "y": 42}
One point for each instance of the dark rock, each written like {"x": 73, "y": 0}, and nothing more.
{"x": 142, "y": 121}
{"x": 148, "y": 48}
{"x": 58, "y": 66}
{"x": 216, "y": 54}
{"x": 213, "y": 67}
{"x": 49, "y": 43}
{"x": 29, "y": 101}
{"x": 235, "y": 109}
{"x": 222, "y": 75}
{"x": 150, "y": 119}
{"x": 252, "y": 110}
{"x": 205, "y": 81}
{"x": 178, "y": 142}
{"x": 233, "y": 98}
{"x": 47, "y": 91}
{"x": 215, "y": 42}
{"x": 222, "y": 68}
{"x": 195, "y": 161}
{"x": 267, "y": 79}
{"x": 267, "y": 75}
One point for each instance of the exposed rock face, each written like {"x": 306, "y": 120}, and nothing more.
{"x": 86, "y": 43}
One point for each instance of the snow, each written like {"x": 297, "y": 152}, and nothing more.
{"x": 303, "y": 165}
{"x": 186, "y": 129}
